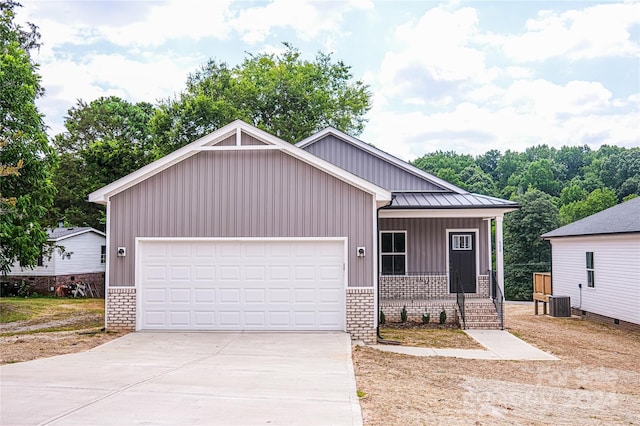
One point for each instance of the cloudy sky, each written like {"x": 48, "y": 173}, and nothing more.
{"x": 462, "y": 76}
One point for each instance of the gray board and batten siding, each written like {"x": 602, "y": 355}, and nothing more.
{"x": 427, "y": 239}
{"x": 265, "y": 193}
{"x": 368, "y": 166}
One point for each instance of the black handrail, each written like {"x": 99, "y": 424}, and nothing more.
{"x": 497, "y": 296}
{"x": 460, "y": 298}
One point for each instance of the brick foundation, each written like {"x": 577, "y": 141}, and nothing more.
{"x": 590, "y": 316}
{"x": 424, "y": 287}
{"x": 121, "y": 309}
{"x": 360, "y": 314}
{"x": 44, "y": 284}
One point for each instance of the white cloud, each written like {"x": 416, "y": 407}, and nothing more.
{"x": 435, "y": 55}
{"x": 598, "y": 31}
{"x": 526, "y": 113}
{"x": 309, "y": 19}
{"x": 149, "y": 79}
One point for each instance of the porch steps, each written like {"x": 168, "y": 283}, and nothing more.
{"x": 481, "y": 315}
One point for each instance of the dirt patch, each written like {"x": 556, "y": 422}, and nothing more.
{"x": 52, "y": 327}
{"x": 26, "y": 347}
{"x": 597, "y": 380}
{"x": 428, "y": 336}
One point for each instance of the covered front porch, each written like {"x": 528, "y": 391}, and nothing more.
{"x": 442, "y": 257}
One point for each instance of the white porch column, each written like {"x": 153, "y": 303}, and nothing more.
{"x": 499, "y": 254}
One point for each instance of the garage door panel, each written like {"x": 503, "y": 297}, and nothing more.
{"x": 279, "y": 295}
{"x": 279, "y": 273}
{"x": 255, "y": 273}
{"x": 230, "y": 319}
{"x": 155, "y": 295}
{"x": 279, "y": 319}
{"x": 230, "y": 273}
{"x": 261, "y": 285}
{"x": 255, "y": 295}
{"x": 155, "y": 318}
{"x": 204, "y": 295}
{"x": 204, "y": 319}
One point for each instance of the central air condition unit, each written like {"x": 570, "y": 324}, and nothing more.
{"x": 560, "y": 306}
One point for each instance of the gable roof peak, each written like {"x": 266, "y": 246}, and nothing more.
{"x": 385, "y": 156}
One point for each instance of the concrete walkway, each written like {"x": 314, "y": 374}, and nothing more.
{"x": 500, "y": 344}
{"x": 188, "y": 379}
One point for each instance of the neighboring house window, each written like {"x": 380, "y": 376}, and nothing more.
{"x": 591, "y": 281}
{"x": 103, "y": 254}
{"x": 393, "y": 253}
{"x": 40, "y": 261}
{"x": 462, "y": 242}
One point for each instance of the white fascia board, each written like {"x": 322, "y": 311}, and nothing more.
{"x": 102, "y": 195}
{"x": 75, "y": 234}
{"x": 380, "y": 154}
{"x": 484, "y": 213}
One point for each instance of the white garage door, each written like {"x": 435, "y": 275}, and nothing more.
{"x": 241, "y": 285}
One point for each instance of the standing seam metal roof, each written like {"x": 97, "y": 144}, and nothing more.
{"x": 449, "y": 200}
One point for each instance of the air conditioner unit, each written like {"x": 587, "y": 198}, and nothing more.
{"x": 560, "y": 306}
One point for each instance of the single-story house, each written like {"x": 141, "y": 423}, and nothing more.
{"x": 79, "y": 256}
{"x": 240, "y": 230}
{"x": 596, "y": 262}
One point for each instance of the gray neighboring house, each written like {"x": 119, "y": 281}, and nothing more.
{"x": 240, "y": 230}
{"x": 83, "y": 260}
{"x": 596, "y": 261}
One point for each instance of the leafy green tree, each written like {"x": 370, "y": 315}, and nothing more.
{"x": 488, "y": 162}
{"x": 283, "y": 94}
{"x": 104, "y": 140}
{"x": 598, "y": 200}
{"x": 621, "y": 171}
{"x": 475, "y": 180}
{"x": 25, "y": 158}
{"x": 524, "y": 251}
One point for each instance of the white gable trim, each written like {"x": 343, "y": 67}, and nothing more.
{"x": 75, "y": 234}
{"x": 236, "y": 127}
{"x": 382, "y": 155}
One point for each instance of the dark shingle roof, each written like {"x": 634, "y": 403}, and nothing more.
{"x": 59, "y": 233}
{"x": 447, "y": 200}
{"x": 620, "y": 219}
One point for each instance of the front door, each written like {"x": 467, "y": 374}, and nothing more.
{"x": 462, "y": 261}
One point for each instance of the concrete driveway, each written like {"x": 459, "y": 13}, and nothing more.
{"x": 188, "y": 379}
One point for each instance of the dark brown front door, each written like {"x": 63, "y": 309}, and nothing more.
{"x": 462, "y": 261}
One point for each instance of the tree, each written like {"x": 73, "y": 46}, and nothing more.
{"x": 282, "y": 94}
{"x": 598, "y": 200}
{"x": 524, "y": 251}
{"x": 105, "y": 139}
{"x": 25, "y": 158}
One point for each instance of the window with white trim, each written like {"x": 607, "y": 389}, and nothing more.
{"x": 103, "y": 254}
{"x": 393, "y": 252}
{"x": 462, "y": 242}
{"x": 591, "y": 279}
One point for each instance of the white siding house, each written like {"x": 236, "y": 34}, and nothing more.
{"x": 596, "y": 261}
{"x": 79, "y": 256}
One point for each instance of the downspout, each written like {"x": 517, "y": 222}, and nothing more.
{"x": 380, "y": 338}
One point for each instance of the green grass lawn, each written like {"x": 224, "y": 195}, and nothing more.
{"x": 38, "y": 310}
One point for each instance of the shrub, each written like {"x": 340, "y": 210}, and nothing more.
{"x": 443, "y": 316}
{"x": 403, "y": 314}
{"x": 425, "y": 318}
{"x": 383, "y": 318}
